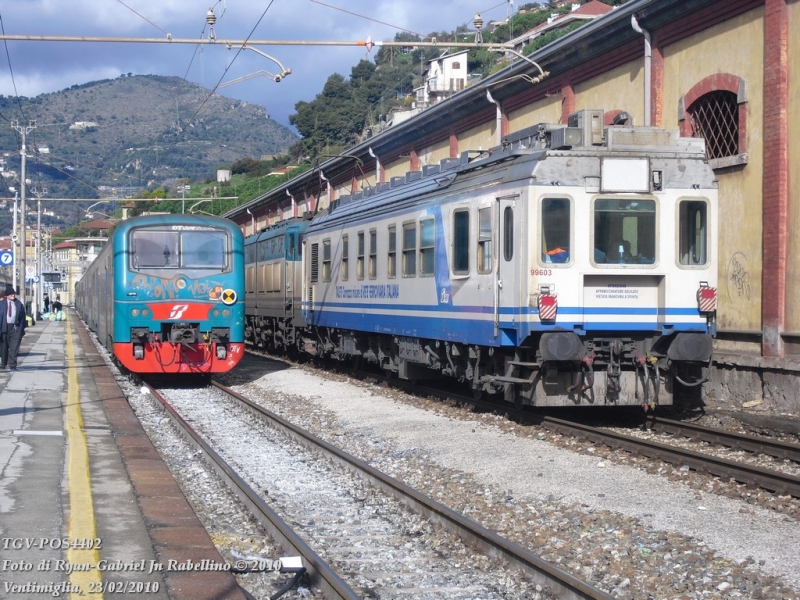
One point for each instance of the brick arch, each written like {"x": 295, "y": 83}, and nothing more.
{"x": 712, "y": 83}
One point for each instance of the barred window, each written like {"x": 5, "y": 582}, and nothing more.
{"x": 715, "y": 118}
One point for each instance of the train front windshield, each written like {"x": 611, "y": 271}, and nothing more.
{"x": 184, "y": 249}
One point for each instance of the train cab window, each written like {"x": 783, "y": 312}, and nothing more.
{"x": 427, "y": 237}
{"x": 409, "y": 250}
{"x": 150, "y": 249}
{"x": 556, "y": 234}
{"x": 624, "y": 231}
{"x": 153, "y": 248}
{"x": 391, "y": 265}
{"x": 373, "y": 254}
{"x": 345, "y": 257}
{"x": 461, "y": 242}
{"x": 360, "y": 255}
{"x": 485, "y": 240}
{"x": 204, "y": 249}
{"x": 326, "y": 260}
{"x": 693, "y": 233}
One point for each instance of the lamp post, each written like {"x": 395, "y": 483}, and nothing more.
{"x": 23, "y": 130}
{"x": 184, "y": 189}
{"x": 252, "y": 220}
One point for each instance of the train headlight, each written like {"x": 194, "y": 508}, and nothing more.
{"x": 215, "y": 312}
{"x": 145, "y": 312}
{"x": 706, "y": 298}
{"x": 135, "y": 312}
{"x": 226, "y": 313}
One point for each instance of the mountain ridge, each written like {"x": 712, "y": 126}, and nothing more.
{"x": 135, "y": 131}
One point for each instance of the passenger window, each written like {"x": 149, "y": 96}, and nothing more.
{"x": 693, "y": 233}
{"x": 345, "y": 257}
{"x": 556, "y": 233}
{"x": 326, "y": 260}
{"x": 485, "y": 240}
{"x": 410, "y": 250}
{"x": 461, "y": 242}
{"x": 373, "y": 254}
{"x": 392, "y": 255}
{"x": 427, "y": 237}
{"x": 624, "y": 231}
{"x": 360, "y": 256}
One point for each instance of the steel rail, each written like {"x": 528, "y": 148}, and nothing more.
{"x": 561, "y": 584}
{"x": 321, "y": 574}
{"x": 768, "y": 479}
{"x": 731, "y": 439}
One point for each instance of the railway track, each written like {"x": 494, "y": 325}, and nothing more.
{"x": 750, "y": 475}
{"x": 729, "y": 439}
{"x": 369, "y": 561}
{"x": 768, "y": 479}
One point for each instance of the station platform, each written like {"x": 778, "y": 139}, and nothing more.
{"x": 87, "y": 507}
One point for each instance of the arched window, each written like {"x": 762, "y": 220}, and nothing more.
{"x": 715, "y": 109}
{"x": 715, "y": 118}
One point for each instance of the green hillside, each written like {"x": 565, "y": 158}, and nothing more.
{"x": 131, "y": 133}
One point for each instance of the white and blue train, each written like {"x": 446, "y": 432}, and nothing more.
{"x": 573, "y": 265}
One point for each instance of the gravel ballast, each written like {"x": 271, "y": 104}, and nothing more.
{"x": 624, "y": 529}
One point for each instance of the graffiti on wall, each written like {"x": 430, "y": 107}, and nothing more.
{"x": 738, "y": 278}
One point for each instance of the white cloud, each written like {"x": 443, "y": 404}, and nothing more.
{"x": 40, "y": 67}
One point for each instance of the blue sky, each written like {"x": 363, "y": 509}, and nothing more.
{"x": 40, "y": 67}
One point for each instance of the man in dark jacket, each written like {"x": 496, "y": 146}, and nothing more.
{"x": 12, "y": 328}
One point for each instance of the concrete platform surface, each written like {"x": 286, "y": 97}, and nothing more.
{"x": 82, "y": 489}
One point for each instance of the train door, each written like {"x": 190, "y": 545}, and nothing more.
{"x": 509, "y": 256}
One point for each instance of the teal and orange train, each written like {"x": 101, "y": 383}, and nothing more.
{"x": 166, "y": 294}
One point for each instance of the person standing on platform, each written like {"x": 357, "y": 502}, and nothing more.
{"x": 12, "y": 328}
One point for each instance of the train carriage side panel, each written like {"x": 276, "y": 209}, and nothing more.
{"x": 557, "y": 270}
{"x": 421, "y": 298}
{"x": 273, "y": 296}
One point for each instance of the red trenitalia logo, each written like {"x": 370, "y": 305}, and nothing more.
{"x": 177, "y": 311}
{"x": 171, "y": 312}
